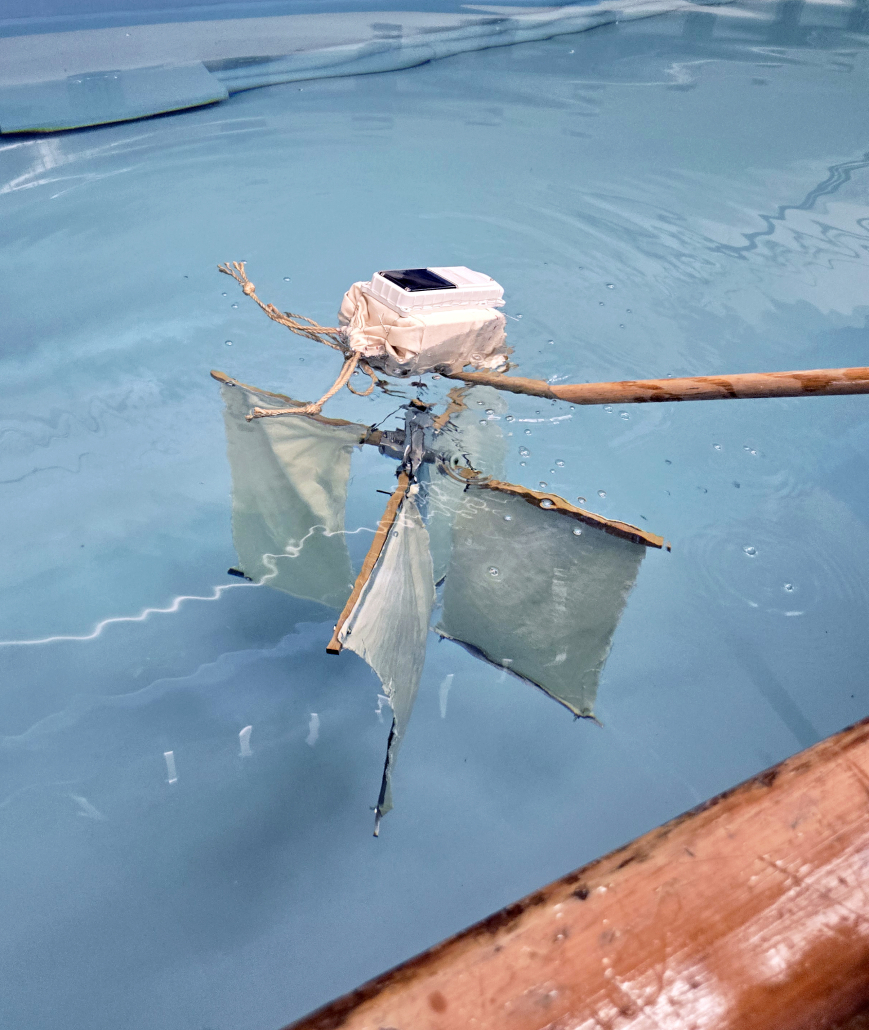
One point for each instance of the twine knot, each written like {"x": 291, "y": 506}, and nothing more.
{"x": 331, "y": 336}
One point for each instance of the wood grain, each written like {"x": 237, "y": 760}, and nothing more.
{"x": 749, "y": 912}
{"x": 820, "y": 382}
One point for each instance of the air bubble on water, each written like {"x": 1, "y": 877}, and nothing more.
{"x": 608, "y": 408}
{"x": 494, "y": 572}
{"x": 543, "y": 485}
{"x": 601, "y": 493}
{"x": 523, "y": 463}
{"x": 610, "y": 286}
{"x": 601, "y": 304}
{"x": 550, "y": 343}
{"x": 750, "y": 551}
{"x": 524, "y": 452}
{"x": 508, "y": 518}
{"x": 559, "y": 463}
{"x": 789, "y": 588}
{"x": 436, "y": 375}
{"x": 716, "y": 446}
{"x": 752, "y": 451}
{"x": 577, "y": 532}
{"x": 621, "y": 325}
{"x": 508, "y": 418}
{"x": 552, "y": 472}
{"x": 483, "y": 421}
{"x": 286, "y": 278}
{"x": 629, "y": 311}
{"x": 490, "y": 411}
{"x": 546, "y": 503}
{"x": 229, "y": 343}
{"x": 624, "y": 415}
{"x": 395, "y": 534}
{"x": 582, "y": 500}
{"x": 527, "y": 432}
{"x": 234, "y": 305}
{"x": 223, "y": 295}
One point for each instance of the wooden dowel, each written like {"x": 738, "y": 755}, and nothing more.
{"x": 560, "y": 505}
{"x": 750, "y": 912}
{"x": 377, "y": 544}
{"x": 820, "y": 382}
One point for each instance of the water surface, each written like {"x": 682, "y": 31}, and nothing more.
{"x": 684, "y": 195}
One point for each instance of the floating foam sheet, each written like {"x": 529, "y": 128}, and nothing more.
{"x": 167, "y": 67}
{"x": 96, "y": 98}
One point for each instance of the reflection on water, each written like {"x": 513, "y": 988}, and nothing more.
{"x": 839, "y": 175}
{"x": 682, "y": 195}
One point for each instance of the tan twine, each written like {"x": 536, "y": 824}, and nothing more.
{"x": 331, "y": 336}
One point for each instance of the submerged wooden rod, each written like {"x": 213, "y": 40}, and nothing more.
{"x": 374, "y": 551}
{"x": 819, "y": 382}
{"x": 750, "y": 912}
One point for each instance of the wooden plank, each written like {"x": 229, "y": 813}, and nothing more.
{"x": 383, "y": 527}
{"x": 750, "y": 912}
{"x": 819, "y": 382}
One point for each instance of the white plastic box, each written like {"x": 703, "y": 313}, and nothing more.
{"x": 413, "y": 320}
{"x": 466, "y": 288}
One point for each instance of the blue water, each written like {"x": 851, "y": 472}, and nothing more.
{"x": 683, "y": 195}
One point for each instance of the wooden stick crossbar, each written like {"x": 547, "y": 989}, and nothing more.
{"x": 820, "y": 382}
{"x": 374, "y": 551}
{"x": 370, "y": 436}
{"x": 558, "y": 504}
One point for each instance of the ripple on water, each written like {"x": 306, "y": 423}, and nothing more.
{"x": 790, "y": 563}
{"x": 774, "y": 486}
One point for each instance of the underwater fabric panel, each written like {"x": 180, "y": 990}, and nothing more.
{"x": 538, "y": 593}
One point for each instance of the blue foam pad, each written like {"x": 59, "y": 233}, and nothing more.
{"x": 95, "y": 98}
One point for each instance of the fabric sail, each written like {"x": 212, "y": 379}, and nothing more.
{"x": 389, "y": 624}
{"x": 530, "y": 595}
{"x": 289, "y": 490}
{"x": 472, "y": 436}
